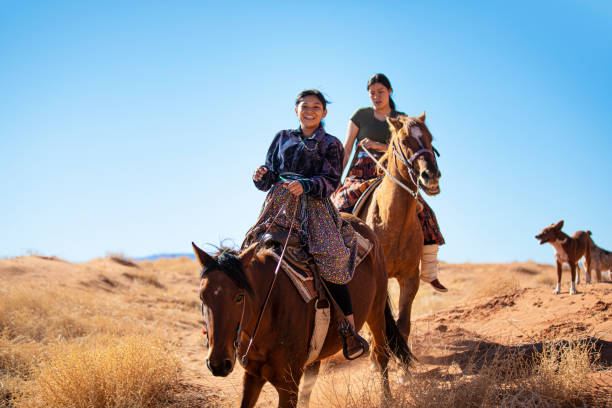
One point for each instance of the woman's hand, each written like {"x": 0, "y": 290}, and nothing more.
{"x": 372, "y": 145}
{"x": 295, "y": 187}
{"x": 259, "y": 173}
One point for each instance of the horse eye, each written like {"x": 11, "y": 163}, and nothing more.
{"x": 239, "y": 298}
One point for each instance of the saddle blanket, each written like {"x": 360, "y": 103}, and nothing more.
{"x": 303, "y": 280}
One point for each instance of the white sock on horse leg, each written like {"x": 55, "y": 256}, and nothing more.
{"x": 429, "y": 263}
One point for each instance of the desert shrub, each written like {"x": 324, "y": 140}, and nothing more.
{"x": 560, "y": 375}
{"x": 133, "y": 371}
{"x": 147, "y": 278}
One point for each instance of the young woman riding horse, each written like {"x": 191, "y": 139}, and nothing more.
{"x": 369, "y": 129}
{"x": 255, "y": 314}
{"x": 303, "y": 168}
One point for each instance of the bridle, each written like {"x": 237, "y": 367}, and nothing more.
{"x": 409, "y": 162}
{"x": 398, "y": 153}
{"x": 244, "y": 360}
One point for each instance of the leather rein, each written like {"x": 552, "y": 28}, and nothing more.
{"x": 244, "y": 360}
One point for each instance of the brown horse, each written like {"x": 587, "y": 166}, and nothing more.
{"x": 233, "y": 291}
{"x": 391, "y": 210}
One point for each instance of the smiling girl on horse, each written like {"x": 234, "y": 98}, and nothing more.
{"x": 369, "y": 129}
{"x": 303, "y": 168}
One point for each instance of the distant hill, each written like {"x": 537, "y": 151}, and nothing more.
{"x": 155, "y": 257}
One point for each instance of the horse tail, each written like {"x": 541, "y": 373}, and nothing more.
{"x": 396, "y": 342}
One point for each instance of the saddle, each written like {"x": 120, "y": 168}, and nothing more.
{"x": 366, "y": 194}
{"x": 298, "y": 264}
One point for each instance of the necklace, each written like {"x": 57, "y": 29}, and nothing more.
{"x": 316, "y": 146}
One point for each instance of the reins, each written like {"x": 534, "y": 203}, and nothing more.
{"x": 244, "y": 359}
{"x": 414, "y": 193}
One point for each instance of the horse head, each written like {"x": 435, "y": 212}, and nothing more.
{"x": 411, "y": 144}
{"x": 223, "y": 291}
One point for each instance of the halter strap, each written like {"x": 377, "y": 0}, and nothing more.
{"x": 414, "y": 193}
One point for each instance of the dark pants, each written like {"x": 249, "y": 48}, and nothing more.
{"x": 341, "y": 295}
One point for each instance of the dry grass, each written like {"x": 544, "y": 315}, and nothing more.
{"x": 132, "y": 371}
{"x": 39, "y": 314}
{"x": 559, "y": 376}
{"x": 72, "y": 345}
{"x": 121, "y": 259}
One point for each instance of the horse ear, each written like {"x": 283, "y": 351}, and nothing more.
{"x": 395, "y": 123}
{"x": 247, "y": 255}
{"x": 422, "y": 117}
{"x": 202, "y": 256}
{"x": 559, "y": 225}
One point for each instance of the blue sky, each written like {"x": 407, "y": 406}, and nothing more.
{"x": 135, "y": 128}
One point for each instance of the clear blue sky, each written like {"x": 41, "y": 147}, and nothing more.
{"x": 136, "y": 128}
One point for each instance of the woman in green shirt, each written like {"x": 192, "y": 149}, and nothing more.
{"x": 368, "y": 128}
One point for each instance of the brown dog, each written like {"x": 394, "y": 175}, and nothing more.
{"x": 601, "y": 260}
{"x": 567, "y": 249}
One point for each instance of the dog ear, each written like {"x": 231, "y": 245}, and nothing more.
{"x": 422, "y": 117}
{"x": 559, "y": 225}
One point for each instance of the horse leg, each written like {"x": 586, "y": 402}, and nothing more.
{"x": 251, "y": 387}
{"x": 287, "y": 394}
{"x": 408, "y": 290}
{"x": 376, "y": 322}
{"x": 310, "y": 377}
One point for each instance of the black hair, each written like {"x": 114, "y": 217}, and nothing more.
{"x": 312, "y": 92}
{"x": 384, "y": 81}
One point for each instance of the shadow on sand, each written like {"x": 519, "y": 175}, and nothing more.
{"x": 473, "y": 355}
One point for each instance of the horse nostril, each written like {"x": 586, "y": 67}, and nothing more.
{"x": 425, "y": 175}
{"x": 228, "y": 365}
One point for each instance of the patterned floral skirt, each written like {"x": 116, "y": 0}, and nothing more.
{"x": 330, "y": 241}
{"x": 361, "y": 175}
{"x": 429, "y": 224}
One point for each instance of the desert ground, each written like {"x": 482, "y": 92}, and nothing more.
{"x": 112, "y": 332}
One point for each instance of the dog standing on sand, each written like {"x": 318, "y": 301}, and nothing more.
{"x": 569, "y": 250}
{"x": 601, "y": 260}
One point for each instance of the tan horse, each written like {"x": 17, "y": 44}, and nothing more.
{"x": 233, "y": 291}
{"x": 391, "y": 210}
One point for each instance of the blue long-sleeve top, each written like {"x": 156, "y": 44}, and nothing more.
{"x": 317, "y": 159}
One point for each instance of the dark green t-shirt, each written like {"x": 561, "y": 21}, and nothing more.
{"x": 370, "y": 127}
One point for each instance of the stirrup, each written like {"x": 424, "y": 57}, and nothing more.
{"x": 346, "y": 331}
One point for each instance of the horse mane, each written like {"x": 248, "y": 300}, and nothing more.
{"x": 227, "y": 261}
